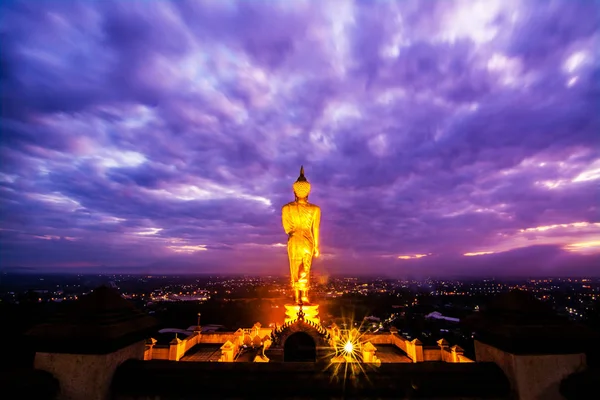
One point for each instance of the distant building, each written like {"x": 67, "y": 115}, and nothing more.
{"x": 183, "y": 332}
{"x": 207, "y": 328}
{"x": 438, "y": 315}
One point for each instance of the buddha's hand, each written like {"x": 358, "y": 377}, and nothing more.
{"x": 317, "y": 252}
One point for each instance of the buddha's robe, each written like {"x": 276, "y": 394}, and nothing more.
{"x": 301, "y": 223}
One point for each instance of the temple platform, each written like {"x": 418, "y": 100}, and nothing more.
{"x": 311, "y": 312}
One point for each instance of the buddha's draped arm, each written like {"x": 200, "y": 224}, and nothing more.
{"x": 315, "y": 227}
{"x": 286, "y": 220}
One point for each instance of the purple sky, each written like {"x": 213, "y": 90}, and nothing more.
{"x": 439, "y": 137}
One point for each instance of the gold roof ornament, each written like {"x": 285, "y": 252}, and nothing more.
{"x": 301, "y": 186}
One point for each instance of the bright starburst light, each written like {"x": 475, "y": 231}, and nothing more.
{"x": 349, "y": 347}
{"x": 346, "y": 360}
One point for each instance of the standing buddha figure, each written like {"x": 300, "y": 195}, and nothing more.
{"x": 301, "y": 221}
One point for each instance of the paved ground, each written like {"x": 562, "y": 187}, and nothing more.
{"x": 212, "y": 352}
{"x": 203, "y": 352}
{"x": 388, "y": 353}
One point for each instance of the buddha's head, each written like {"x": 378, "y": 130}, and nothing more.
{"x": 301, "y": 186}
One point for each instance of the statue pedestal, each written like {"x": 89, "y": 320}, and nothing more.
{"x": 311, "y": 312}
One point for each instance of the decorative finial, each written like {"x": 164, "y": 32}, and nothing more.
{"x": 301, "y": 178}
{"x": 300, "y": 312}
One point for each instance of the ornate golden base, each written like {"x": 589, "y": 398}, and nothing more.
{"x": 311, "y": 312}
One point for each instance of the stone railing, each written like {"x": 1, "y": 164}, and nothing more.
{"x": 452, "y": 354}
{"x": 172, "y": 351}
{"x": 432, "y": 353}
{"x": 463, "y": 359}
{"x": 160, "y": 352}
{"x": 148, "y": 350}
{"x": 415, "y": 350}
{"x": 232, "y": 343}
{"x": 368, "y": 354}
{"x": 178, "y": 347}
{"x": 412, "y": 348}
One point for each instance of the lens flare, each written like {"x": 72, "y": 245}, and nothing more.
{"x": 346, "y": 359}
{"x": 348, "y": 347}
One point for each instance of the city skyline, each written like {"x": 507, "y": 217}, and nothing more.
{"x": 440, "y": 138}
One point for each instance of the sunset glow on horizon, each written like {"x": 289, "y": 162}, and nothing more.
{"x": 478, "y": 253}
{"x": 413, "y": 256}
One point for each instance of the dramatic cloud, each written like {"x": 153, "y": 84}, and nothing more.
{"x": 440, "y": 137}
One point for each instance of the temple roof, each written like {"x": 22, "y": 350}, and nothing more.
{"x": 308, "y": 380}
{"x": 97, "y": 323}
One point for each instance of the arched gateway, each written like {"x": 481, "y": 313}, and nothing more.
{"x": 300, "y": 340}
{"x": 300, "y": 347}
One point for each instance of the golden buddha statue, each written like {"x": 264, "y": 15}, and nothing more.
{"x": 301, "y": 221}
